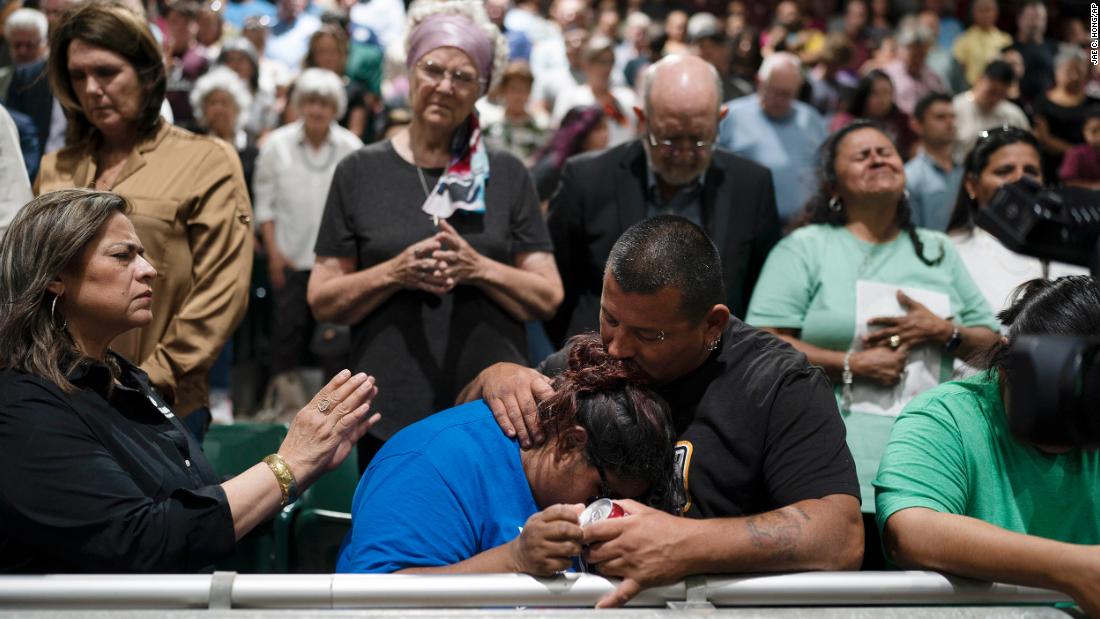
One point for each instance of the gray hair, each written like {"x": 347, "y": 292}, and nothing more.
{"x": 776, "y": 60}
{"x": 27, "y": 19}
{"x": 1070, "y": 55}
{"x": 322, "y": 83}
{"x": 226, "y": 80}
{"x": 47, "y": 236}
{"x": 473, "y": 10}
{"x": 912, "y": 32}
{"x": 651, "y": 70}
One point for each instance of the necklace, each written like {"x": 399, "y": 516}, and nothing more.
{"x": 307, "y": 157}
{"x": 423, "y": 183}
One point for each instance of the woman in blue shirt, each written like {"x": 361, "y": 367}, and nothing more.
{"x": 454, "y": 494}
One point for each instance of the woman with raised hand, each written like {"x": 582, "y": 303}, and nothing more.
{"x": 99, "y": 473}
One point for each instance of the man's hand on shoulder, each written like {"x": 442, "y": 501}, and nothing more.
{"x": 645, "y": 549}
{"x": 512, "y": 392}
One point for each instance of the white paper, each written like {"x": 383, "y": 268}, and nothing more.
{"x": 922, "y": 371}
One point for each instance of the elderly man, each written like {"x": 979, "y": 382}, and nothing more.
{"x": 912, "y": 77}
{"x": 29, "y": 91}
{"x": 770, "y": 483}
{"x": 777, "y": 131}
{"x": 25, "y": 31}
{"x": 672, "y": 169}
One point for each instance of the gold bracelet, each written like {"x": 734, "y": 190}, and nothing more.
{"x": 287, "y": 484}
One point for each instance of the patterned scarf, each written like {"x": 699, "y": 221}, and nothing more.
{"x": 462, "y": 186}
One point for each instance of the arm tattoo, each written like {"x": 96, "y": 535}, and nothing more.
{"x": 777, "y": 532}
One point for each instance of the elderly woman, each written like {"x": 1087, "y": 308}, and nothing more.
{"x": 221, "y": 103}
{"x": 100, "y": 475}
{"x": 850, "y": 288}
{"x": 431, "y": 248}
{"x": 240, "y": 55}
{"x": 1003, "y": 155}
{"x": 607, "y": 437}
{"x": 958, "y": 492}
{"x": 293, "y": 173}
{"x": 190, "y": 200}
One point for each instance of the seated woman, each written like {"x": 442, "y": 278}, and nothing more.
{"x": 958, "y": 493}
{"x": 452, "y": 493}
{"x": 1001, "y": 155}
{"x": 99, "y": 474}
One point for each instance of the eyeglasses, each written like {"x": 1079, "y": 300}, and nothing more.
{"x": 681, "y": 143}
{"x": 434, "y": 74}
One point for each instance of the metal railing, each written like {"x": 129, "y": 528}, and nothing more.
{"x": 224, "y": 590}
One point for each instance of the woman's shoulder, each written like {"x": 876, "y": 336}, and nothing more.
{"x": 960, "y": 403}
{"x": 22, "y": 392}
{"x": 504, "y": 161}
{"x": 179, "y": 142}
{"x": 372, "y": 157}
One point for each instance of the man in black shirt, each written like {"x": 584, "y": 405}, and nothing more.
{"x": 770, "y": 483}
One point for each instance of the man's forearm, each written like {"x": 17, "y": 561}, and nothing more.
{"x": 816, "y": 534}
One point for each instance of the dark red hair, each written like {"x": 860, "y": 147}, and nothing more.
{"x": 629, "y": 426}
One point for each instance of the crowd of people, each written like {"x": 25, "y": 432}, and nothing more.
{"x": 748, "y": 233}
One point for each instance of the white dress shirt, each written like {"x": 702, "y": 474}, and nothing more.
{"x": 291, "y": 184}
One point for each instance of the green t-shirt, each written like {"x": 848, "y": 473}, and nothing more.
{"x": 809, "y": 283}
{"x": 952, "y": 451}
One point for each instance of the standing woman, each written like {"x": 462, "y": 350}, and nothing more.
{"x": 293, "y": 174}
{"x": 432, "y": 305}
{"x": 190, "y": 200}
{"x": 857, "y": 232}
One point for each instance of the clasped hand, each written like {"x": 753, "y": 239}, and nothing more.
{"x": 439, "y": 263}
{"x": 886, "y": 351}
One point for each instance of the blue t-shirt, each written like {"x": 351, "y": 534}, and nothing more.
{"x": 440, "y": 491}
{"x": 787, "y": 147}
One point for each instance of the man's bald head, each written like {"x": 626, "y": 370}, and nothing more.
{"x": 682, "y": 109}
{"x": 680, "y": 84}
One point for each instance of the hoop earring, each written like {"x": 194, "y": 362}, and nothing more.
{"x": 835, "y": 205}
{"x": 53, "y": 317}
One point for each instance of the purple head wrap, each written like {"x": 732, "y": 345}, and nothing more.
{"x": 450, "y": 30}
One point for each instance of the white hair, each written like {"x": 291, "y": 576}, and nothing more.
{"x": 27, "y": 19}
{"x": 321, "y": 83}
{"x": 475, "y": 12}
{"x": 774, "y": 61}
{"x": 226, "y": 80}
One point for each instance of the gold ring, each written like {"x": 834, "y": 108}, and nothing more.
{"x": 895, "y": 340}
{"x": 322, "y": 406}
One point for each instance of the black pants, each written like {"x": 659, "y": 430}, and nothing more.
{"x": 292, "y": 324}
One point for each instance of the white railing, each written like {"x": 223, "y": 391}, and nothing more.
{"x": 271, "y": 591}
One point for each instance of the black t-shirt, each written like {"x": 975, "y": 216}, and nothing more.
{"x": 757, "y": 428}
{"x": 420, "y": 347}
{"x": 1064, "y": 123}
{"x": 103, "y": 479}
{"x": 1038, "y": 68}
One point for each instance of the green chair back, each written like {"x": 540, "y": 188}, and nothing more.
{"x": 231, "y": 450}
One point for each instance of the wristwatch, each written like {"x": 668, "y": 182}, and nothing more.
{"x": 953, "y": 341}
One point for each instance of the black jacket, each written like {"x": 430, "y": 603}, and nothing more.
{"x": 602, "y": 194}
